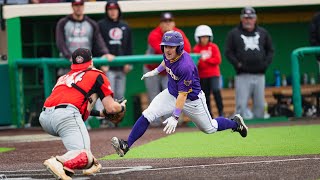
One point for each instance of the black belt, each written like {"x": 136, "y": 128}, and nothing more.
{"x": 56, "y": 107}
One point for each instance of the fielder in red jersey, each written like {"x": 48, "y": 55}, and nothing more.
{"x": 69, "y": 104}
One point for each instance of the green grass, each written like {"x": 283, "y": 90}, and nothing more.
{"x": 2, "y": 149}
{"x": 272, "y": 141}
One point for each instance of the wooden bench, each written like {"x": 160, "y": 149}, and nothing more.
{"x": 310, "y": 95}
{"x": 228, "y": 97}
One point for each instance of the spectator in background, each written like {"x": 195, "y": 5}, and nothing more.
{"x": 208, "y": 66}
{"x": 158, "y": 83}
{"x": 249, "y": 49}
{"x": 78, "y": 30}
{"x": 117, "y": 37}
{"x": 315, "y": 34}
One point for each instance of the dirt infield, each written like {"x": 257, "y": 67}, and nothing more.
{"x": 33, "y": 146}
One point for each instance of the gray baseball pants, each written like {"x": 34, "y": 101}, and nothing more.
{"x": 250, "y": 86}
{"x": 66, "y": 123}
{"x": 117, "y": 81}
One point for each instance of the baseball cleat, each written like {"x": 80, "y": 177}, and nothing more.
{"x": 242, "y": 128}
{"x": 120, "y": 145}
{"x": 92, "y": 170}
{"x": 95, "y": 168}
{"x": 56, "y": 169}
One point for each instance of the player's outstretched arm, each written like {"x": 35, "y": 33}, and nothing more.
{"x": 111, "y": 106}
{"x": 172, "y": 121}
{"x": 154, "y": 72}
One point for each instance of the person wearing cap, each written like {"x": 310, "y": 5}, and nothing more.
{"x": 117, "y": 36}
{"x": 156, "y": 84}
{"x": 249, "y": 49}
{"x": 78, "y": 30}
{"x": 66, "y": 109}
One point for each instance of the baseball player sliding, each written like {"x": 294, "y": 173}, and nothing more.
{"x": 69, "y": 104}
{"x": 183, "y": 94}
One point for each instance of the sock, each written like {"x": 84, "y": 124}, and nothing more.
{"x": 224, "y": 123}
{"x": 138, "y": 130}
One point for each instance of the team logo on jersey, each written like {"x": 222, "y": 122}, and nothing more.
{"x": 116, "y": 35}
{"x": 206, "y": 54}
{"x": 187, "y": 83}
{"x": 70, "y": 79}
{"x": 79, "y": 30}
{"x": 173, "y": 76}
{"x": 79, "y": 59}
{"x": 167, "y": 38}
{"x": 251, "y": 42}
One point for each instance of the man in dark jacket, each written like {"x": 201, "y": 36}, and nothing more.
{"x": 117, "y": 36}
{"x": 249, "y": 49}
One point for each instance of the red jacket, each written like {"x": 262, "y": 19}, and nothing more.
{"x": 209, "y": 61}
{"x": 154, "y": 40}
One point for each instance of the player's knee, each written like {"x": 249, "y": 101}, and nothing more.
{"x": 209, "y": 130}
{"x": 212, "y": 128}
{"x": 78, "y": 159}
{"x": 149, "y": 115}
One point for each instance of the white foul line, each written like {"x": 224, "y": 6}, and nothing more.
{"x": 239, "y": 163}
{"x": 146, "y": 168}
{"x": 150, "y": 168}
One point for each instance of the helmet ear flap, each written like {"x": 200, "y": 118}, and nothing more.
{"x": 179, "y": 49}
{"x": 162, "y": 48}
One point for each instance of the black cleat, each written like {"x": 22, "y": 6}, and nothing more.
{"x": 242, "y": 128}
{"x": 120, "y": 145}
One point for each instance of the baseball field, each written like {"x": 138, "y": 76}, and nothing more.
{"x": 283, "y": 150}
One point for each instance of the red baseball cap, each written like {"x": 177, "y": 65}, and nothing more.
{"x": 77, "y": 2}
{"x": 112, "y": 5}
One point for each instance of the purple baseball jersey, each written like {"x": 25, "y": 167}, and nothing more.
{"x": 183, "y": 76}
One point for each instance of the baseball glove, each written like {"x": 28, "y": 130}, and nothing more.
{"x": 117, "y": 117}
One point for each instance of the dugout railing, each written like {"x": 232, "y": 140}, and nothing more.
{"x": 297, "y": 55}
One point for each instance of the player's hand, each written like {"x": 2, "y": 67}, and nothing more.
{"x": 104, "y": 68}
{"x": 109, "y": 57}
{"x": 150, "y": 73}
{"x": 127, "y": 68}
{"x": 171, "y": 125}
